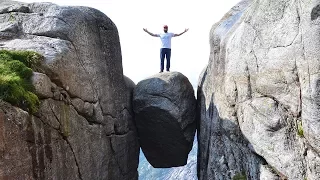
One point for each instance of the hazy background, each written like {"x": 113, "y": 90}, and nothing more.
{"x": 140, "y": 51}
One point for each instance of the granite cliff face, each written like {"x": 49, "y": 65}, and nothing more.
{"x": 258, "y": 97}
{"x": 84, "y": 127}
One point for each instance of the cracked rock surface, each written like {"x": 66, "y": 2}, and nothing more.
{"x": 84, "y": 127}
{"x": 164, "y": 107}
{"x": 258, "y": 97}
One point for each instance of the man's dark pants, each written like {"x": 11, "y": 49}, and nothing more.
{"x": 165, "y": 53}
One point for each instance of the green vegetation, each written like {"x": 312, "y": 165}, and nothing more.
{"x": 11, "y": 18}
{"x": 15, "y": 78}
{"x": 240, "y": 176}
{"x": 300, "y": 129}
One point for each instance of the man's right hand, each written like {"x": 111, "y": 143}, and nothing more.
{"x": 151, "y": 34}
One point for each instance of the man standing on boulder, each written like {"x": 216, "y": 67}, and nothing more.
{"x": 165, "y": 51}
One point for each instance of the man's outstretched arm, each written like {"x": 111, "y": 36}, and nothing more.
{"x": 181, "y": 33}
{"x": 151, "y": 34}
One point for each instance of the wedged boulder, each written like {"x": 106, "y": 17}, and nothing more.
{"x": 164, "y": 107}
{"x": 84, "y": 127}
{"x": 258, "y": 97}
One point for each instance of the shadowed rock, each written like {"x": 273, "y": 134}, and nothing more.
{"x": 258, "y": 97}
{"x": 84, "y": 127}
{"x": 164, "y": 107}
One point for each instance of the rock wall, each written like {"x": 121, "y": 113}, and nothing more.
{"x": 84, "y": 127}
{"x": 258, "y": 98}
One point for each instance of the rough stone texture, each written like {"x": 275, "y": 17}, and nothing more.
{"x": 42, "y": 85}
{"x": 31, "y": 149}
{"x": 85, "y": 129}
{"x": 260, "y": 85}
{"x": 164, "y": 107}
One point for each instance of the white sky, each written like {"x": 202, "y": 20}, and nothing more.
{"x": 140, "y": 51}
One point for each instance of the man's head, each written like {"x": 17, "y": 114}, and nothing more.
{"x": 165, "y": 28}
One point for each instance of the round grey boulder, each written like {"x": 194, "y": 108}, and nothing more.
{"x": 165, "y": 107}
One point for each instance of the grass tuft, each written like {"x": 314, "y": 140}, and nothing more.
{"x": 240, "y": 176}
{"x": 15, "y": 78}
{"x": 300, "y": 129}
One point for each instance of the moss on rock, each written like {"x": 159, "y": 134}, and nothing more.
{"x": 15, "y": 78}
{"x": 240, "y": 176}
{"x": 300, "y": 129}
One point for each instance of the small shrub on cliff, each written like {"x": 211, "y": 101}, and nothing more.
{"x": 300, "y": 129}
{"x": 15, "y": 78}
{"x": 240, "y": 176}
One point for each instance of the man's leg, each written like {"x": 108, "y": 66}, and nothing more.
{"x": 162, "y": 53}
{"x": 168, "y": 55}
